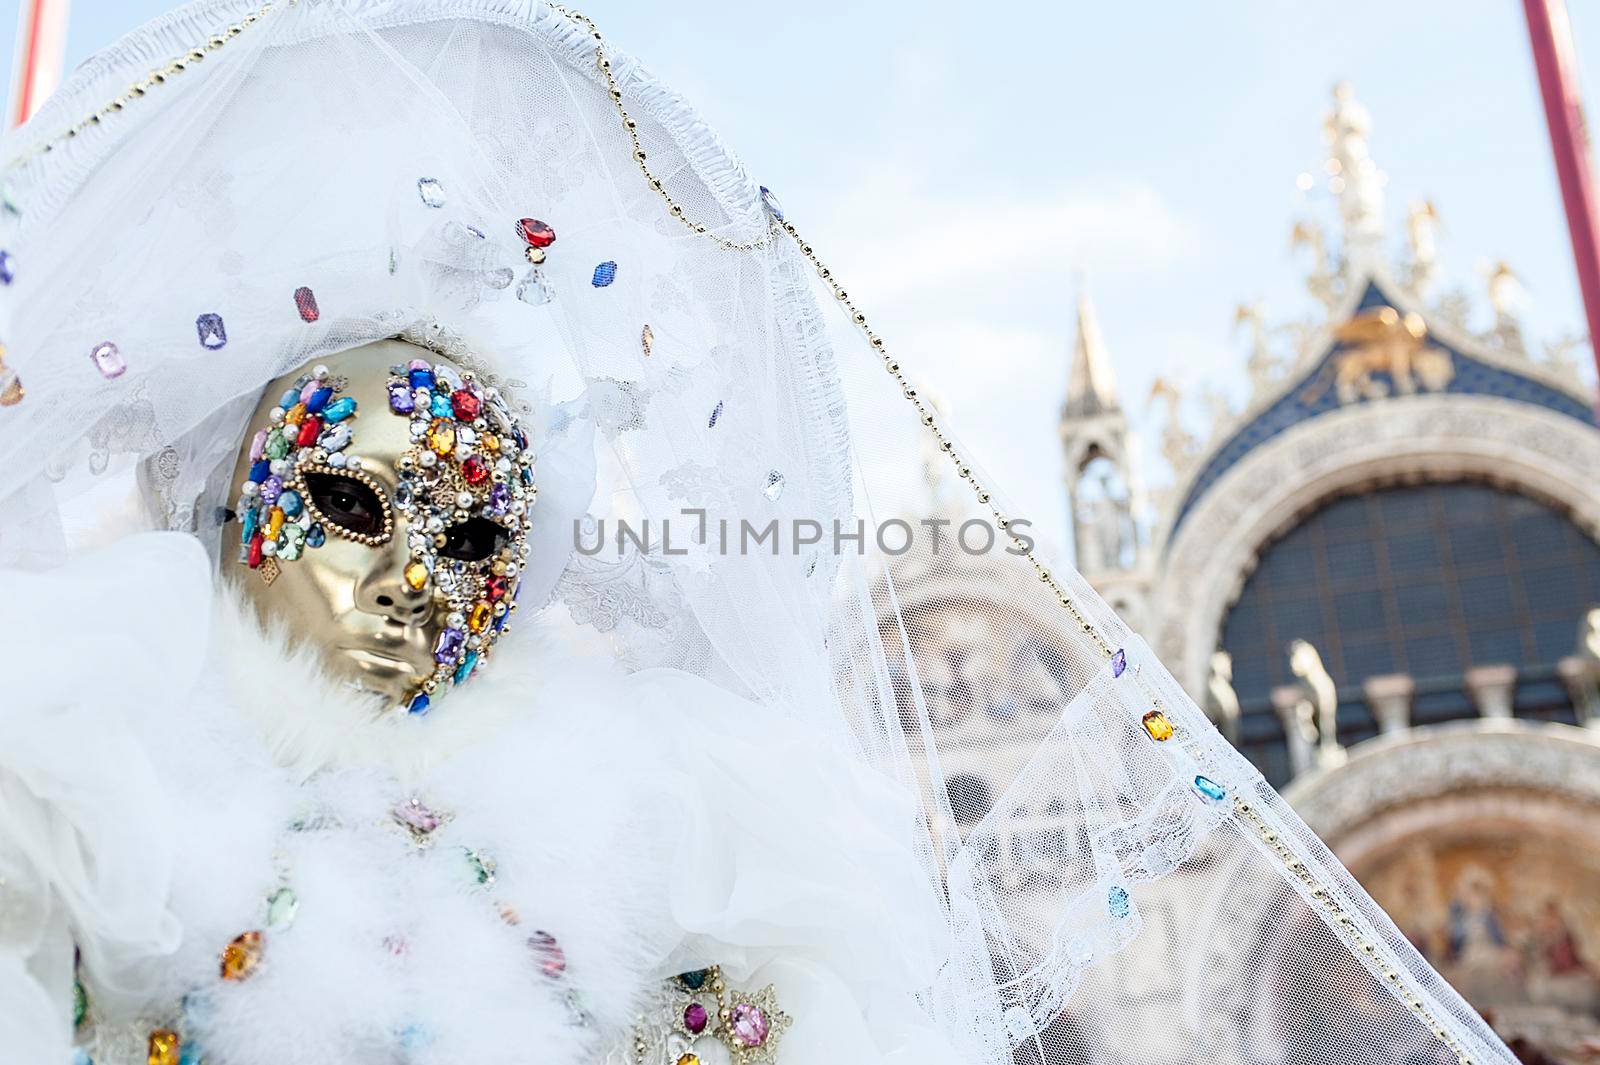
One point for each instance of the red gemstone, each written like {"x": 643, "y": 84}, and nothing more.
{"x": 466, "y": 405}
{"x": 695, "y": 1018}
{"x": 310, "y": 429}
{"x": 495, "y": 589}
{"x": 475, "y": 470}
{"x": 306, "y": 302}
{"x": 536, "y": 233}
{"x": 255, "y": 551}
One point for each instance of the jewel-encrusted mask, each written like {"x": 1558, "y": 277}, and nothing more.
{"x": 395, "y": 547}
{"x": 464, "y": 493}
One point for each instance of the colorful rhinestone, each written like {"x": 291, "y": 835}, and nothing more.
{"x": 536, "y": 233}
{"x": 162, "y": 1047}
{"x": 213, "y": 334}
{"x": 1157, "y": 725}
{"x": 305, "y": 301}
{"x": 242, "y": 957}
{"x": 108, "y": 360}
{"x": 604, "y": 274}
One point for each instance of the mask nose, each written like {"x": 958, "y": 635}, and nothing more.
{"x": 386, "y": 592}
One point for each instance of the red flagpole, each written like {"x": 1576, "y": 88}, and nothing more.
{"x": 1551, "y": 36}
{"x": 36, "y": 65}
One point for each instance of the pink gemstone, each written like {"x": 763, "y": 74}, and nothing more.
{"x": 695, "y": 1018}
{"x": 258, "y": 444}
{"x": 552, "y": 959}
{"x": 749, "y": 1024}
{"x": 108, "y": 360}
{"x": 305, "y": 301}
{"x": 417, "y": 817}
{"x": 310, "y": 388}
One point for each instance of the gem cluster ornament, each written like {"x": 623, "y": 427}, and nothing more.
{"x": 466, "y": 489}
{"x": 698, "y": 1007}
{"x": 308, "y": 432}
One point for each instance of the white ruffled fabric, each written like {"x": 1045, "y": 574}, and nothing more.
{"x": 650, "y": 822}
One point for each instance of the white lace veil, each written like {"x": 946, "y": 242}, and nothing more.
{"x": 264, "y": 150}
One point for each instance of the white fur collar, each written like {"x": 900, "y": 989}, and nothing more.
{"x": 309, "y": 721}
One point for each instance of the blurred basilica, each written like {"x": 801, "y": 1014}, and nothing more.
{"x": 1381, "y": 578}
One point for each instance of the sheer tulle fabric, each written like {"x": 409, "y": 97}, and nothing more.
{"x": 1142, "y": 923}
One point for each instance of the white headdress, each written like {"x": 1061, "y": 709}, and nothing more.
{"x": 294, "y": 178}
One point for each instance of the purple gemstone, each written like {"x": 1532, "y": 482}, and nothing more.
{"x": 449, "y": 645}
{"x": 695, "y": 1018}
{"x": 1119, "y": 662}
{"x": 400, "y": 398}
{"x": 271, "y": 489}
{"x": 309, "y": 389}
{"x": 499, "y": 499}
{"x": 8, "y": 271}
{"x": 108, "y": 360}
{"x": 213, "y": 334}
{"x": 258, "y": 444}
{"x": 749, "y": 1024}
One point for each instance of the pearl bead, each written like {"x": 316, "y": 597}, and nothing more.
{"x": 279, "y": 466}
{"x": 428, "y": 459}
{"x": 320, "y": 373}
{"x": 269, "y": 547}
{"x": 249, "y": 489}
{"x": 353, "y": 462}
{"x": 435, "y": 525}
{"x": 512, "y": 569}
{"x": 463, "y": 499}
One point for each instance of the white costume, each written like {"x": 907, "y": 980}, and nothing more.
{"x": 694, "y": 756}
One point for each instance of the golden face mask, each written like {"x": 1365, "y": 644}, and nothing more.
{"x": 383, "y": 501}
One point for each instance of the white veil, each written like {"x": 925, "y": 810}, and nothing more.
{"x": 380, "y": 154}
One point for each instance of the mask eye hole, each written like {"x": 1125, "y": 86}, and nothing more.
{"x": 346, "y": 502}
{"x": 473, "y": 540}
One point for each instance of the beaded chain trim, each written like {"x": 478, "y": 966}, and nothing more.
{"x": 1272, "y": 842}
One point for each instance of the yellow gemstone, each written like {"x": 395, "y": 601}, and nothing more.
{"x": 479, "y": 619}
{"x": 689, "y": 1059}
{"x": 12, "y": 394}
{"x": 295, "y": 414}
{"x": 274, "y": 522}
{"x": 416, "y": 576}
{"x": 489, "y": 442}
{"x": 163, "y": 1047}
{"x": 1156, "y": 723}
{"x": 240, "y": 958}
{"x": 442, "y": 436}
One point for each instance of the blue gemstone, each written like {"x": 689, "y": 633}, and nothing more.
{"x": 715, "y": 414}
{"x": 8, "y": 266}
{"x": 81, "y": 1056}
{"x": 213, "y": 334}
{"x": 1119, "y": 662}
{"x": 772, "y": 203}
{"x": 464, "y": 670}
{"x": 419, "y": 704}
{"x": 604, "y": 274}
{"x": 318, "y": 399}
{"x": 1117, "y": 902}
{"x": 1210, "y": 789}
{"x": 290, "y": 502}
{"x": 500, "y": 622}
{"x": 339, "y": 409}
{"x": 421, "y": 377}
{"x": 315, "y": 537}
{"x": 252, "y": 518}
{"x": 289, "y": 398}
{"x": 440, "y": 407}
{"x": 259, "y": 470}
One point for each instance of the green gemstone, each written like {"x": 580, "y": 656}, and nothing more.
{"x": 80, "y": 1003}
{"x": 694, "y": 980}
{"x": 482, "y": 866}
{"x": 277, "y": 446}
{"x": 282, "y": 905}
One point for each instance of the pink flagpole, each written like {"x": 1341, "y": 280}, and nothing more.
{"x": 41, "y": 48}
{"x": 1551, "y": 36}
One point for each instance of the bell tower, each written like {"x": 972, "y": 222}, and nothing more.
{"x": 1104, "y": 493}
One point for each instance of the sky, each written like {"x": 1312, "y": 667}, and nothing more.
{"x": 964, "y": 170}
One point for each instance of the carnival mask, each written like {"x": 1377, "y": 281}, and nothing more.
{"x": 382, "y": 509}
